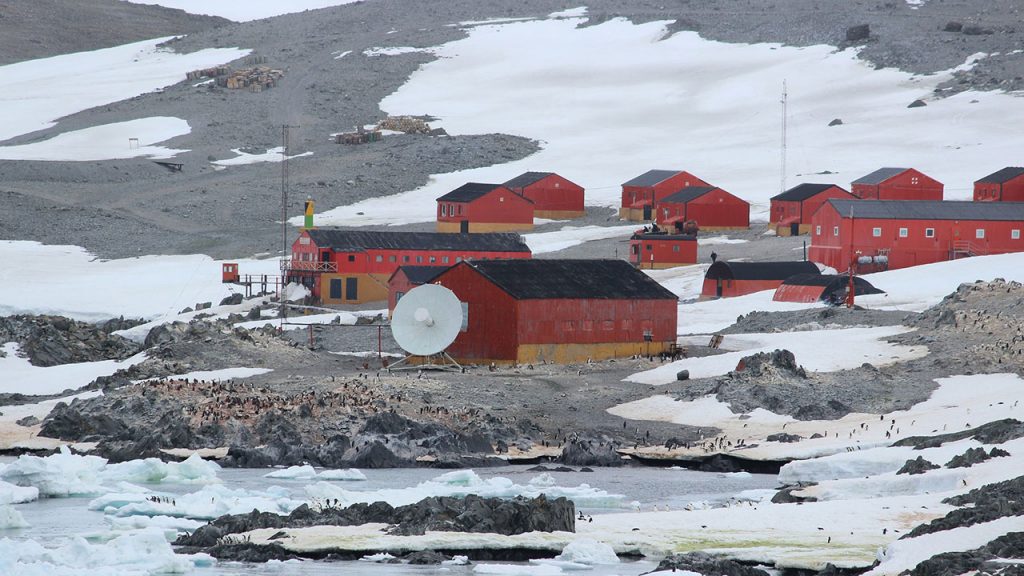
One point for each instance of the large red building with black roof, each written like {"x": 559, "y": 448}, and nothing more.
{"x": 476, "y": 207}
{"x": 562, "y": 311}
{"x": 552, "y": 195}
{"x": 342, "y": 266}
{"x": 641, "y": 195}
{"x": 898, "y": 234}
{"x": 1006, "y": 185}
{"x": 710, "y": 207}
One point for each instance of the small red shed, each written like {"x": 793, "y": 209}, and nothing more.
{"x": 553, "y": 196}
{"x": 901, "y": 233}
{"x": 728, "y": 279}
{"x": 562, "y": 311}
{"x": 476, "y": 207}
{"x": 829, "y": 288}
{"x": 791, "y": 211}
{"x": 406, "y": 278}
{"x": 343, "y": 266}
{"x": 712, "y": 208}
{"x": 641, "y": 195}
{"x": 653, "y": 250}
{"x": 1006, "y": 185}
{"x": 229, "y": 272}
{"x": 897, "y": 184}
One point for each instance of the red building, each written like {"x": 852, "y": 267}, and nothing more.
{"x": 729, "y": 279}
{"x": 406, "y": 278}
{"x": 897, "y": 184}
{"x": 475, "y": 207}
{"x": 791, "y": 211}
{"x": 342, "y": 266}
{"x": 563, "y": 311}
{"x": 1006, "y": 185}
{"x": 552, "y": 196}
{"x": 641, "y": 195}
{"x": 712, "y": 208}
{"x": 830, "y": 288}
{"x": 662, "y": 250}
{"x": 898, "y": 234}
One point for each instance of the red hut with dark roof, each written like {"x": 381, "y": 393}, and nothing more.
{"x": 710, "y": 207}
{"x": 552, "y": 195}
{"x": 641, "y": 195}
{"x": 897, "y": 184}
{"x": 1006, "y": 185}
{"x": 728, "y": 279}
{"x": 791, "y": 211}
{"x": 476, "y": 207}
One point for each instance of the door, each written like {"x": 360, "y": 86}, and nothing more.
{"x": 335, "y": 289}
{"x": 464, "y": 227}
{"x": 718, "y": 287}
{"x": 647, "y": 212}
{"x": 794, "y": 229}
{"x": 351, "y": 288}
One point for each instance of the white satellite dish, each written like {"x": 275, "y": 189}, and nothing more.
{"x": 426, "y": 321}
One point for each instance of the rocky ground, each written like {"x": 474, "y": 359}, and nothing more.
{"x": 132, "y": 207}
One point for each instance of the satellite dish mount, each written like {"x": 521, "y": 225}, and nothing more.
{"x": 425, "y": 322}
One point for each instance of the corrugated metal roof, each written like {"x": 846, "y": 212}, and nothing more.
{"x": 359, "y": 240}
{"x": 652, "y": 177}
{"x": 571, "y": 279}
{"x": 929, "y": 209}
{"x": 880, "y": 175}
{"x": 526, "y": 178}
{"x": 759, "y": 270}
{"x": 1001, "y": 176}
{"x": 421, "y": 274}
{"x": 655, "y": 236}
{"x": 833, "y": 284}
{"x": 802, "y": 192}
{"x": 468, "y": 192}
{"x": 688, "y": 194}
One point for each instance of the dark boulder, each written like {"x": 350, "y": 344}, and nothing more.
{"x": 248, "y": 552}
{"x": 917, "y": 104}
{"x": 786, "y": 496}
{"x": 976, "y": 30}
{"x": 719, "y": 463}
{"x": 704, "y": 563}
{"x": 836, "y": 122}
{"x": 425, "y": 558}
{"x": 590, "y": 452}
{"x": 917, "y": 466}
{"x": 232, "y": 300}
{"x": 953, "y": 26}
{"x": 377, "y": 455}
{"x": 969, "y": 458}
{"x": 858, "y": 33}
{"x": 784, "y": 437}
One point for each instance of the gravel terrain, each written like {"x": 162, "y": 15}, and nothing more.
{"x": 131, "y": 207}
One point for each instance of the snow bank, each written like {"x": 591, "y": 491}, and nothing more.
{"x": 724, "y": 96}
{"x": 461, "y": 482}
{"x": 14, "y": 494}
{"x": 848, "y": 348}
{"x": 21, "y": 377}
{"x": 135, "y": 554}
{"x": 903, "y": 555}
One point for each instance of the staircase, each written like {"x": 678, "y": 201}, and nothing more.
{"x": 965, "y": 249}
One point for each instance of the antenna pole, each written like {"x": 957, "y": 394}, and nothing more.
{"x": 283, "y": 312}
{"x": 782, "y": 151}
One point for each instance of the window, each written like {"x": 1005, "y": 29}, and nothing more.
{"x": 587, "y": 325}
{"x": 817, "y": 230}
{"x": 444, "y": 209}
{"x": 351, "y": 288}
{"x": 405, "y": 258}
{"x": 1015, "y": 234}
{"x": 876, "y": 232}
{"x": 465, "y": 316}
{"x": 903, "y": 232}
{"x": 567, "y": 326}
{"x": 501, "y": 198}
{"x": 379, "y": 258}
{"x": 648, "y": 246}
{"x": 979, "y": 233}
{"x": 419, "y": 259}
{"x": 433, "y": 259}
{"x": 304, "y": 240}
{"x": 335, "y": 288}
{"x": 398, "y": 296}
{"x": 929, "y": 232}
{"x": 458, "y": 259}
{"x": 351, "y": 257}
{"x": 392, "y": 258}
{"x": 675, "y": 248}
{"x": 835, "y": 230}
{"x": 460, "y": 209}
{"x": 608, "y": 325}
{"x": 913, "y": 180}
{"x": 444, "y": 259}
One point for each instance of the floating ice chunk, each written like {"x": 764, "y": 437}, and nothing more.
{"x": 11, "y": 518}
{"x": 205, "y": 504}
{"x": 144, "y": 552}
{"x": 294, "y": 473}
{"x": 543, "y": 479}
{"x": 168, "y": 524}
{"x": 13, "y": 494}
{"x": 60, "y": 475}
{"x": 194, "y": 470}
{"x": 588, "y": 551}
{"x": 518, "y": 569}
{"x": 347, "y": 475}
{"x": 378, "y": 557}
{"x": 456, "y": 561}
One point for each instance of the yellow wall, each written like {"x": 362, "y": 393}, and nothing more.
{"x": 559, "y": 214}
{"x": 574, "y": 353}
{"x": 662, "y": 265}
{"x": 633, "y": 214}
{"x": 454, "y": 227}
{"x": 370, "y": 288}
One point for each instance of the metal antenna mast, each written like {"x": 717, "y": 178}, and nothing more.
{"x": 783, "y": 148}
{"x": 283, "y": 311}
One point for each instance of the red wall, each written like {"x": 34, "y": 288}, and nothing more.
{"x": 913, "y": 249}
{"x": 581, "y": 321}
{"x": 639, "y": 196}
{"x": 732, "y": 288}
{"x": 398, "y": 283}
{"x": 492, "y": 324}
{"x": 648, "y": 251}
{"x": 499, "y": 205}
{"x": 796, "y": 293}
{"x": 908, "y": 185}
{"x": 782, "y": 210}
{"x": 554, "y": 193}
{"x": 1011, "y": 191}
{"x": 717, "y": 208}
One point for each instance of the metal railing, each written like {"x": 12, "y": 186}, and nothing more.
{"x": 308, "y": 266}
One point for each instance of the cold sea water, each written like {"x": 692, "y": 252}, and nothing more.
{"x": 57, "y": 523}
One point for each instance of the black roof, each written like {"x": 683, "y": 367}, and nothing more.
{"x": 421, "y": 274}
{"x": 1002, "y": 176}
{"x": 687, "y": 194}
{"x": 526, "y": 178}
{"x": 832, "y": 283}
{"x": 468, "y": 192}
{"x": 341, "y": 239}
{"x": 802, "y": 192}
{"x": 571, "y": 279}
{"x": 659, "y": 236}
{"x": 759, "y": 270}
{"x": 652, "y": 177}
{"x": 929, "y": 209}
{"x": 880, "y": 175}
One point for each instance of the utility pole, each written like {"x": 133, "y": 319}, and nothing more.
{"x": 782, "y": 150}
{"x": 283, "y": 310}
